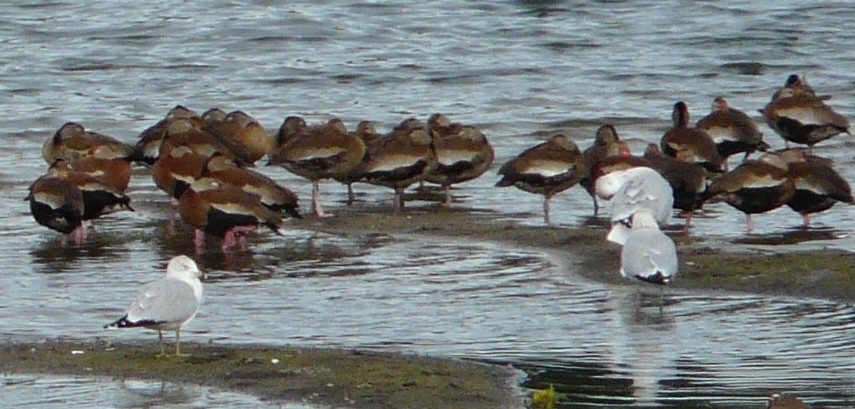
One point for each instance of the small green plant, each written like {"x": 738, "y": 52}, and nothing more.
{"x": 544, "y": 398}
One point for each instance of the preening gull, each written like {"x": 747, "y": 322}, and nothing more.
{"x": 631, "y": 190}
{"x": 648, "y": 254}
{"x": 168, "y": 303}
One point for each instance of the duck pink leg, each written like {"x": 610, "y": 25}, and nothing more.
{"x": 689, "y": 214}
{"x": 398, "y": 205}
{"x": 447, "y": 200}
{"x": 170, "y": 226}
{"x": 749, "y": 224}
{"x": 351, "y": 197}
{"x": 316, "y": 202}
{"x": 546, "y": 209}
{"x": 79, "y": 234}
{"x": 806, "y": 220}
{"x": 229, "y": 240}
{"x": 199, "y": 240}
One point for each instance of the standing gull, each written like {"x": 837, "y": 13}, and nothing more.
{"x": 630, "y": 191}
{"x": 648, "y": 254}
{"x": 168, "y": 303}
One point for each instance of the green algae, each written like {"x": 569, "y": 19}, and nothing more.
{"x": 825, "y": 274}
{"x": 329, "y": 377}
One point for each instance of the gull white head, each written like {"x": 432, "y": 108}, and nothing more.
{"x": 181, "y": 267}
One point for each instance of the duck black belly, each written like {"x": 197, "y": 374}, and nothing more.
{"x": 759, "y": 200}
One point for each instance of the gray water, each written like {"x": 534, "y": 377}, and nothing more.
{"x": 520, "y": 71}
{"x": 56, "y": 392}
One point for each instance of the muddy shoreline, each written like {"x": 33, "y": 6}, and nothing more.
{"x": 705, "y": 266}
{"x": 315, "y": 376}
{"x": 349, "y": 378}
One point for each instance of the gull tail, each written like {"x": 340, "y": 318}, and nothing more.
{"x": 124, "y": 323}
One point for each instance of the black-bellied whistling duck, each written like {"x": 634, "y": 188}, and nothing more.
{"x": 799, "y": 116}
{"x": 818, "y": 185}
{"x": 732, "y": 130}
{"x": 56, "y": 203}
{"x": 318, "y": 153}
{"x": 147, "y": 148}
{"x": 115, "y": 172}
{"x": 366, "y": 131}
{"x": 271, "y": 194}
{"x": 291, "y": 128}
{"x": 688, "y": 180}
{"x": 405, "y": 156}
{"x": 755, "y": 186}
{"x": 175, "y": 170}
{"x": 800, "y": 86}
{"x": 98, "y": 198}
{"x": 245, "y": 131}
{"x": 214, "y": 116}
{"x": 225, "y": 211}
{"x": 698, "y": 145}
{"x": 72, "y": 141}
{"x": 185, "y": 132}
{"x": 605, "y": 137}
{"x": 547, "y": 169}
{"x": 463, "y": 153}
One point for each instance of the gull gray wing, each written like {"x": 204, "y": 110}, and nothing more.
{"x": 645, "y": 189}
{"x": 649, "y": 255}
{"x": 167, "y": 303}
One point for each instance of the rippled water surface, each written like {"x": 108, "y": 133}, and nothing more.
{"x": 518, "y": 70}
{"x": 55, "y": 392}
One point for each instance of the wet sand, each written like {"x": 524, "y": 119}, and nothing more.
{"x": 705, "y": 266}
{"x": 343, "y": 378}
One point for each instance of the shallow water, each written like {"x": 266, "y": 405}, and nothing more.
{"x": 518, "y": 70}
{"x": 49, "y": 392}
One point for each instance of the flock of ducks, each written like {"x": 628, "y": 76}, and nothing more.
{"x": 694, "y": 159}
{"x": 204, "y": 164}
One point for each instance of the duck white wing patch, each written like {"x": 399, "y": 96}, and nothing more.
{"x": 719, "y": 134}
{"x": 763, "y": 182}
{"x": 451, "y": 157}
{"x": 549, "y": 168}
{"x": 233, "y": 208}
{"x": 393, "y": 162}
{"x": 806, "y": 116}
{"x": 52, "y": 200}
{"x": 319, "y": 153}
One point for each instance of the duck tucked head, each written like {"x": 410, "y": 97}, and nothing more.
{"x": 680, "y": 115}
